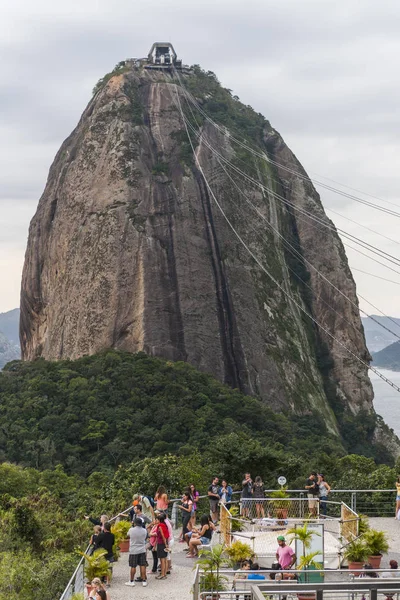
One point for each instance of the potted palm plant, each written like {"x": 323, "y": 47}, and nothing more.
{"x": 306, "y": 563}
{"x": 120, "y": 531}
{"x": 377, "y": 544}
{"x": 281, "y": 503}
{"x": 356, "y": 554}
{"x": 211, "y": 581}
{"x": 96, "y": 565}
{"x": 238, "y": 552}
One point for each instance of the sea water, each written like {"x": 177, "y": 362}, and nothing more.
{"x": 387, "y": 399}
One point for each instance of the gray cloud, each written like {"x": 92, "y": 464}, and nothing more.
{"x": 323, "y": 72}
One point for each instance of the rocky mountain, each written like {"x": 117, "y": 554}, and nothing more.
{"x": 129, "y": 250}
{"x": 388, "y": 358}
{"x": 376, "y": 337}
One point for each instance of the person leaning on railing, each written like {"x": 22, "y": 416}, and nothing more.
{"x": 324, "y": 489}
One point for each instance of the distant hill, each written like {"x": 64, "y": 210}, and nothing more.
{"x": 376, "y": 337}
{"x": 9, "y": 325}
{"x": 9, "y": 337}
{"x": 8, "y": 351}
{"x": 388, "y": 358}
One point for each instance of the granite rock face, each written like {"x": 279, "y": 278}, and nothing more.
{"x": 128, "y": 249}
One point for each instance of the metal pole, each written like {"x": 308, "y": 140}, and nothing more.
{"x": 196, "y": 584}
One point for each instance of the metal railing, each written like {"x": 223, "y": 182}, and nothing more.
{"x": 379, "y": 503}
{"x": 328, "y": 584}
{"x": 77, "y": 582}
{"x": 365, "y": 588}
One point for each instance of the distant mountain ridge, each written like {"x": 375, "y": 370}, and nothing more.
{"x": 388, "y": 358}
{"x": 376, "y": 337}
{"x": 9, "y": 337}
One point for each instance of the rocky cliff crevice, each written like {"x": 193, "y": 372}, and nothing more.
{"x": 128, "y": 250}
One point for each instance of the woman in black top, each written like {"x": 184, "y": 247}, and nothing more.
{"x": 186, "y": 508}
{"x": 258, "y": 492}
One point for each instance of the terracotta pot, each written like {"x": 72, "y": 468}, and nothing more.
{"x": 306, "y": 596}
{"x": 356, "y": 567}
{"x": 375, "y": 561}
{"x": 124, "y": 545}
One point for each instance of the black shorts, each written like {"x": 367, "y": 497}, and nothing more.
{"x": 161, "y": 551}
{"x": 137, "y": 560}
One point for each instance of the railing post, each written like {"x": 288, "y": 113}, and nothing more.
{"x": 196, "y": 587}
{"x": 353, "y": 502}
{"x": 301, "y": 505}
{"x": 373, "y": 594}
{"x": 320, "y": 595}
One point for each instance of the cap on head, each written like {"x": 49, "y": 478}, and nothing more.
{"x": 281, "y": 538}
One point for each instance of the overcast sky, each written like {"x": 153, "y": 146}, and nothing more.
{"x": 325, "y": 73}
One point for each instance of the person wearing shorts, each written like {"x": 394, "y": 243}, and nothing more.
{"x": 137, "y": 552}
{"x": 312, "y": 488}
{"x": 213, "y": 497}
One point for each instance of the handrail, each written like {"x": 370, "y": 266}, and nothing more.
{"x": 70, "y": 582}
{"x": 74, "y": 575}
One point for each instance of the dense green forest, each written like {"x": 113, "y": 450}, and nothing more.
{"x": 79, "y": 437}
{"x": 98, "y": 412}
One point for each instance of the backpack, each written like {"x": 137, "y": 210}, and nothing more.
{"x": 151, "y": 500}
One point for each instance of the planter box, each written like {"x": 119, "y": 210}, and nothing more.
{"x": 124, "y": 545}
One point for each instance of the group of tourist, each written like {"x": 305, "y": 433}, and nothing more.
{"x": 317, "y": 491}
{"x": 151, "y": 530}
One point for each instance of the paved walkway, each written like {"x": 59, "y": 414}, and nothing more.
{"x": 178, "y": 585}
{"x": 391, "y": 527}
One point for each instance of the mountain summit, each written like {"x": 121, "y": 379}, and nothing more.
{"x": 130, "y": 250}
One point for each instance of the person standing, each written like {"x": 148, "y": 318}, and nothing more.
{"x": 152, "y": 529}
{"x": 312, "y": 488}
{"x": 225, "y": 494}
{"x": 247, "y": 493}
{"x": 285, "y": 554}
{"x": 103, "y": 519}
{"x": 397, "y": 497}
{"x": 259, "y": 494}
{"x": 147, "y": 508}
{"x": 137, "y": 552}
{"x": 324, "y": 489}
{"x": 162, "y": 545}
{"x": 186, "y": 508}
{"x": 138, "y": 512}
{"x": 213, "y": 497}
{"x": 161, "y": 499}
{"x": 106, "y": 540}
{"x": 194, "y": 495}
